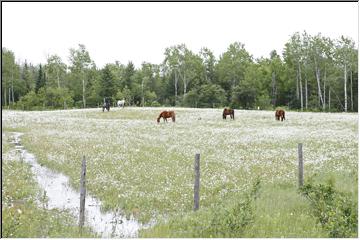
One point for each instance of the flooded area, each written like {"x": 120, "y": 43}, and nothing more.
{"x": 61, "y": 196}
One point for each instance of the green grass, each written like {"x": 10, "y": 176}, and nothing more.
{"x": 146, "y": 168}
{"x": 278, "y": 212}
{"x": 282, "y": 212}
{"x": 22, "y": 215}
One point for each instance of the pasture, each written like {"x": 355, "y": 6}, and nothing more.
{"x": 146, "y": 168}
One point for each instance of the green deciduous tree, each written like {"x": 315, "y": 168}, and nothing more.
{"x": 313, "y": 73}
{"x": 12, "y": 86}
{"x": 232, "y": 65}
{"x": 80, "y": 63}
{"x": 344, "y": 56}
{"x": 55, "y": 71}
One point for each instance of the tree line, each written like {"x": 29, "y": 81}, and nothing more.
{"x": 313, "y": 73}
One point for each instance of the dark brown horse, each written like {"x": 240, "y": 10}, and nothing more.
{"x": 228, "y": 111}
{"x": 106, "y": 106}
{"x": 280, "y": 114}
{"x": 165, "y": 115}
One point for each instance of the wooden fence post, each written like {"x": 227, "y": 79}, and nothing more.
{"x": 82, "y": 193}
{"x": 197, "y": 181}
{"x": 301, "y": 165}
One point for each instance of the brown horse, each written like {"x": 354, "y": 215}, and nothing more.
{"x": 165, "y": 115}
{"x": 228, "y": 111}
{"x": 280, "y": 114}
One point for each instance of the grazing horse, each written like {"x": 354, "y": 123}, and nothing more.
{"x": 280, "y": 114}
{"x": 106, "y": 105}
{"x": 121, "y": 103}
{"x": 165, "y": 115}
{"x": 228, "y": 111}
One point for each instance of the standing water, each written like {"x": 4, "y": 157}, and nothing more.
{"x": 60, "y": 195}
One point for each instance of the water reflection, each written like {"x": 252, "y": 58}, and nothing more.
{"x": 61, "y": 196}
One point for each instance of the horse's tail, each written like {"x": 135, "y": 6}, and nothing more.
{"x": 173, "y": 117}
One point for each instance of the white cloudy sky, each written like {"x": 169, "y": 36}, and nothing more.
{"x": 141, "y": 31}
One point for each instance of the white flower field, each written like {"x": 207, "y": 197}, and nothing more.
{"x": 146, "y": 169}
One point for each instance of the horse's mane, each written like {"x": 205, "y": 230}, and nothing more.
{"x": 160, "y": 115}
{"x": 158, "y": 119}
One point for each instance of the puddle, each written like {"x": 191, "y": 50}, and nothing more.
{"x": 60, "y": 195}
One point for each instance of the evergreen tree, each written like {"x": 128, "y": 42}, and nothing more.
{"x": 26, "y": 76}
{"x": 40, "y": 82}
{"x": 128, "y": 73}
{"x": 106, "y": 86}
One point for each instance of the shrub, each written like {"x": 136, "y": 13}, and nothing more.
{"x": 29, "y": 101}
{"x": 263, "y": 102}
{"x": 155, "y": 104}
{"x": 336, "y": 212}
{"x": 231, "y": 221}
{"x": 50, "y": 98}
